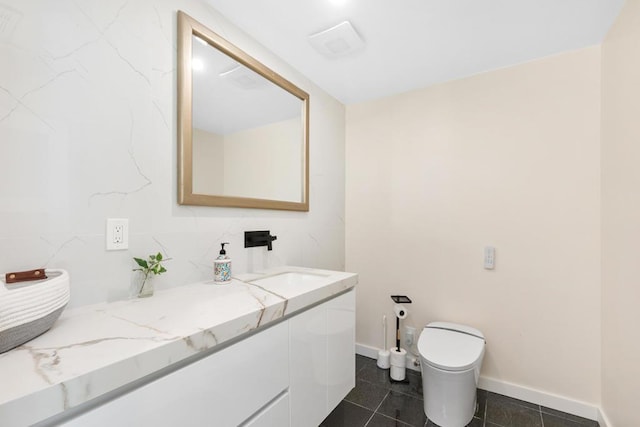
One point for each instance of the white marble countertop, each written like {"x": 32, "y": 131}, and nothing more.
{"x": 96, "y": 349}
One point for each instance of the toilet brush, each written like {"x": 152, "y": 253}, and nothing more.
{"x": 384, "y": 355}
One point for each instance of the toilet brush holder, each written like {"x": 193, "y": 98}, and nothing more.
{"x": 398, "y": 364}
{"x": 384, "y": 356}
{"x": 384, "y": 359}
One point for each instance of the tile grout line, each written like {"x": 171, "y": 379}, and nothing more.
{"x": 357, "y": 404}
{"x": 376, "y": 410}
{"x": 486, "y": 403}
{"x": 396, "y": 420}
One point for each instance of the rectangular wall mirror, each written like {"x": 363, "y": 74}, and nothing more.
{"x": 243, "y": 130}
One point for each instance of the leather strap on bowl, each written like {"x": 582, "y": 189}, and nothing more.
{"x": 24, "y": 276}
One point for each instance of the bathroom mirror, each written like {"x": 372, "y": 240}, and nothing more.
{"x": 243, "y": 130}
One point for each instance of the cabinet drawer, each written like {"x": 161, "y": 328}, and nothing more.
{"x": 223, "y": 389}
{"x": 276, "y": 414}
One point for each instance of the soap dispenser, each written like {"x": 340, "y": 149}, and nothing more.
{"x": 222, "y": 267}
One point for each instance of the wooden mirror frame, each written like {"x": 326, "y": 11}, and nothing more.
{"x": 188, "y": 27}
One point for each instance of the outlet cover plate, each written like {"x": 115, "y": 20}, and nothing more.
{"x": 117, "y": 235}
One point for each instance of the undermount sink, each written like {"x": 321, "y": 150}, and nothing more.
{"x": 292, "y": 281}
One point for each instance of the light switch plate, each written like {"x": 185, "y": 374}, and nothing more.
{"x": 489, "y": 257}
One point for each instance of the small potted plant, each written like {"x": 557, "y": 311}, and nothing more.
{"x": 149, "y": 267}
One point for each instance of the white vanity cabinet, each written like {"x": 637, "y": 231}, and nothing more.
{"x": 291, "y": 374}
{"x": 322, "y": 359}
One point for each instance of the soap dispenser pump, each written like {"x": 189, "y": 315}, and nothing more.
{"x": 222, "y": 267}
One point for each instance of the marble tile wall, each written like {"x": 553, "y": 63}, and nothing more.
{"x": 88, "y": 132}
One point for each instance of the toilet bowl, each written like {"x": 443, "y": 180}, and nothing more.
{"x": 450, "y": 356}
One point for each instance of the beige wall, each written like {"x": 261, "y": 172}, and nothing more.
{"x": 509, "y": 158}
{"x": 258, "y": 162}
{"x": 621, "y": 219}
{"x": 208, "y": 162}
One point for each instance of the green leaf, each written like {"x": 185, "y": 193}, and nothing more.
{"x": 159, "y": 257}
{"x": 141, "y": 262}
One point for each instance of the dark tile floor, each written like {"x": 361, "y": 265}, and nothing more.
{"x": 376, "y": 402}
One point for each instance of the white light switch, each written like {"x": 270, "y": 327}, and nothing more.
{"x": 489, "y": 257}
{"x": 117, "y": 235}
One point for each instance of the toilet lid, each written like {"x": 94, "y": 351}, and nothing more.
{"x": 451, "y": 347}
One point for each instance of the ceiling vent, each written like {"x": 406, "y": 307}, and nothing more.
{"x": 243, "y": 78}
{"x": 338, "y": 41}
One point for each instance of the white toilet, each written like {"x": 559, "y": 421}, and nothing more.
{"x": 450, "y": 358}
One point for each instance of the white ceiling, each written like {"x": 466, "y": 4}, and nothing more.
{"x": 412, "y": 44}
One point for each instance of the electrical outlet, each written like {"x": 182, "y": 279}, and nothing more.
{"x": 409, "y": 336}
{"x": 117, "y": 235}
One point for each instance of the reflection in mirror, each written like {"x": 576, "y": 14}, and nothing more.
{"x": 246, "y": 131}
{"x": 243, "y": 130}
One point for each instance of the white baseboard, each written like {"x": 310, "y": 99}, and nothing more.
{"x": 367, "y": 351}
{"x": 372, "y": 353}
{"x": 603, "y": 420}
{"x": 538, "y": 397}
{"x": 542, "y": 398}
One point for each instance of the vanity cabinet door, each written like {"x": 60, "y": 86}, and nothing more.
{"x": 322, "y": 370}
{"x": 224, "y": 389}
{"x": 308, "y": 367}
{"x": 341, "y": 338}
